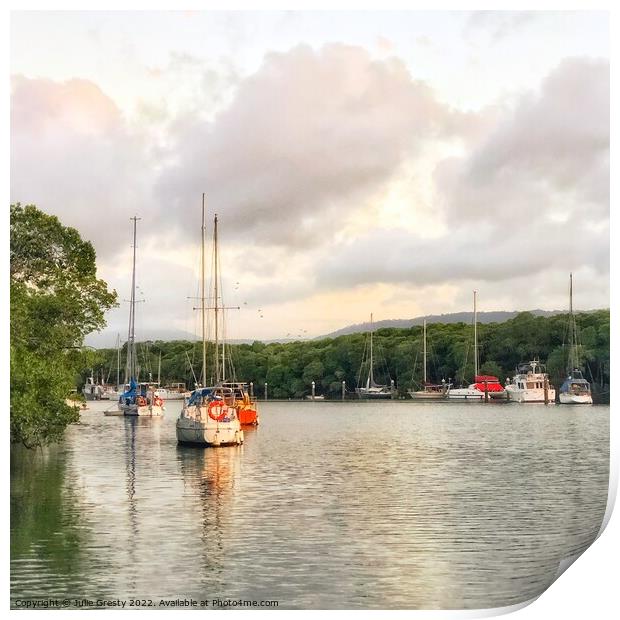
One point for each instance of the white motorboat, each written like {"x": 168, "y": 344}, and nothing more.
{"x": 174, "y": 391}
{"x": 575, "y": 390}
{"x": 210, "y": 416}
{"x": 92, "y": 390}
{"x": 530, "y": 384}
{"x": 371, "y": 390}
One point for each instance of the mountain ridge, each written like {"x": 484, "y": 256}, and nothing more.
{"x": 107, "y": 339}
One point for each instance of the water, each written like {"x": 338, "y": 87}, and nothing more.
{"x": 326, "y": 505}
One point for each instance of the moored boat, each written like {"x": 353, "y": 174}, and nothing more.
{"x": 530, "y": 384}
{"x": 484, "y": 386}
{"x": 247, "y": 409}
{"x": 138, "y": 399}
{"x": 575, "y": 390}
{"x": 429, "y": 391}
{"x": 210, "y": 416}
{"x": 371, "y": 390}
{"x": 92, "y": 390}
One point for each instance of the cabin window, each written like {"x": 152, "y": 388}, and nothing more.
{"x": 531, "y": 385}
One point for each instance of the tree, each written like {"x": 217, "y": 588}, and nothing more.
{"x": 56, "y": 299}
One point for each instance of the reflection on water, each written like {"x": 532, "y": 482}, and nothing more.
{"x": 384, "y": 505}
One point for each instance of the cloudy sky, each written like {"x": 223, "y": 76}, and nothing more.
{"x": 358, "y": 161}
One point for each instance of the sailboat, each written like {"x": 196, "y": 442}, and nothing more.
{"x": 429, "y": 391}
{"x": 484, "y": 386}
{"x": 138, "y": 398}
{"x": 210, "y": 416}
{"x": 575, "y": 390}
{"x": 372, "y": 390}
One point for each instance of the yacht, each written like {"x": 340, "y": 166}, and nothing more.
{"x": 138, "y": 399}
{"x": 429, "y": 391}
{"x": 530, "y": 384}
{"x": 575, "y": 390}
{"x": 484, "y": 386}
{"x": 210, "y": 417}
{"x": 371, "y": 390}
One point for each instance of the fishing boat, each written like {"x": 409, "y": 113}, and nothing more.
{"x": 530, "y": 384}
{"x": 371, "y": 389}
{"x": 484, "y": 386}
{"x": 429, "y": 391}
{"x": 138, "y": 399}
{"x": 575, "y": 390}
{"x": 210, "y": 416}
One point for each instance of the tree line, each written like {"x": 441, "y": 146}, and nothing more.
{"x": 290, "y": 368}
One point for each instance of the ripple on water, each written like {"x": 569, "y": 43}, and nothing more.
{"x": 354, "y": 505}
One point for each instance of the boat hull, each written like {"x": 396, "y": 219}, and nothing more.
{"x": 465, "y": 394}
{"x": 152, "y": 411}
{"x": 427, "y": 395}
{"x": 364, "y": 395}
{"x": 575, "y": 399}
{"x": 199, "y": 433}
{"x": 530, "y": 396}
{"x": 248, "y": 416}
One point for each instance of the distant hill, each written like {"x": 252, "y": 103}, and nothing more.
{"x": 455, "y": 317}
{"x": 107, "y": 339}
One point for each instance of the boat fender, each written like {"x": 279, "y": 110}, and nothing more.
{"x": 141, "y": 401}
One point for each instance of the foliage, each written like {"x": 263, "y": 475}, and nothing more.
{"x": 56, "y": 299}
{"x": 290, "y": 368}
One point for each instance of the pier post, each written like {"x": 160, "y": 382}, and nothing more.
{"x": 251, "y": 389}
{"x": 265, "y": 390}
{"x": 344, "y": 389}
{"x": 392, "y": 388}
{"x": 313, "y": 386}
{"x": 546, "y": 390}
{"x": 486, "y": 392}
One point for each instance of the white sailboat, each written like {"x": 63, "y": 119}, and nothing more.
{"x": 209, "y": 417}
{"x": 575, "y": 390}
{"x": 372, "y": 390}
{"x": 429, "y": 391}
{"x": 484, "y": 386}
{"x": 139, "y": 399}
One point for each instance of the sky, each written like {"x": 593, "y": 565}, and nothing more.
{"x": 385, "y": 162}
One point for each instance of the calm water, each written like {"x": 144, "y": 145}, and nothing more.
{"x": 393, "y": 505}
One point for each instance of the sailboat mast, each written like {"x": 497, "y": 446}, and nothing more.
{"x": 475, "y": 337}
{"x": 202, "y": 295}
{"x": 131, "y": 337}
{"x": 573, "y": 362}
{"x": 216, "y": 307}
{"x": 424, "y": 351}
{"x": 371, "y": 372}
{"x": 159, "y": 370}
{"x": 118, "y": 360}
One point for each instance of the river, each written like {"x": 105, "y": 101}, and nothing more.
{"x": 326, "y": 505}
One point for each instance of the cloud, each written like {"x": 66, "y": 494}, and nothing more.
{"x": 73, "y": 155}
{"x": 528, "y": 198}
{"x": 548, "y": 157}
{"x": 499, "y": 24}
{"x": 305, "y": 141}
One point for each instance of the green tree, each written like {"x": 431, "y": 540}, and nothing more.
{"x": 56, "y": 299}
